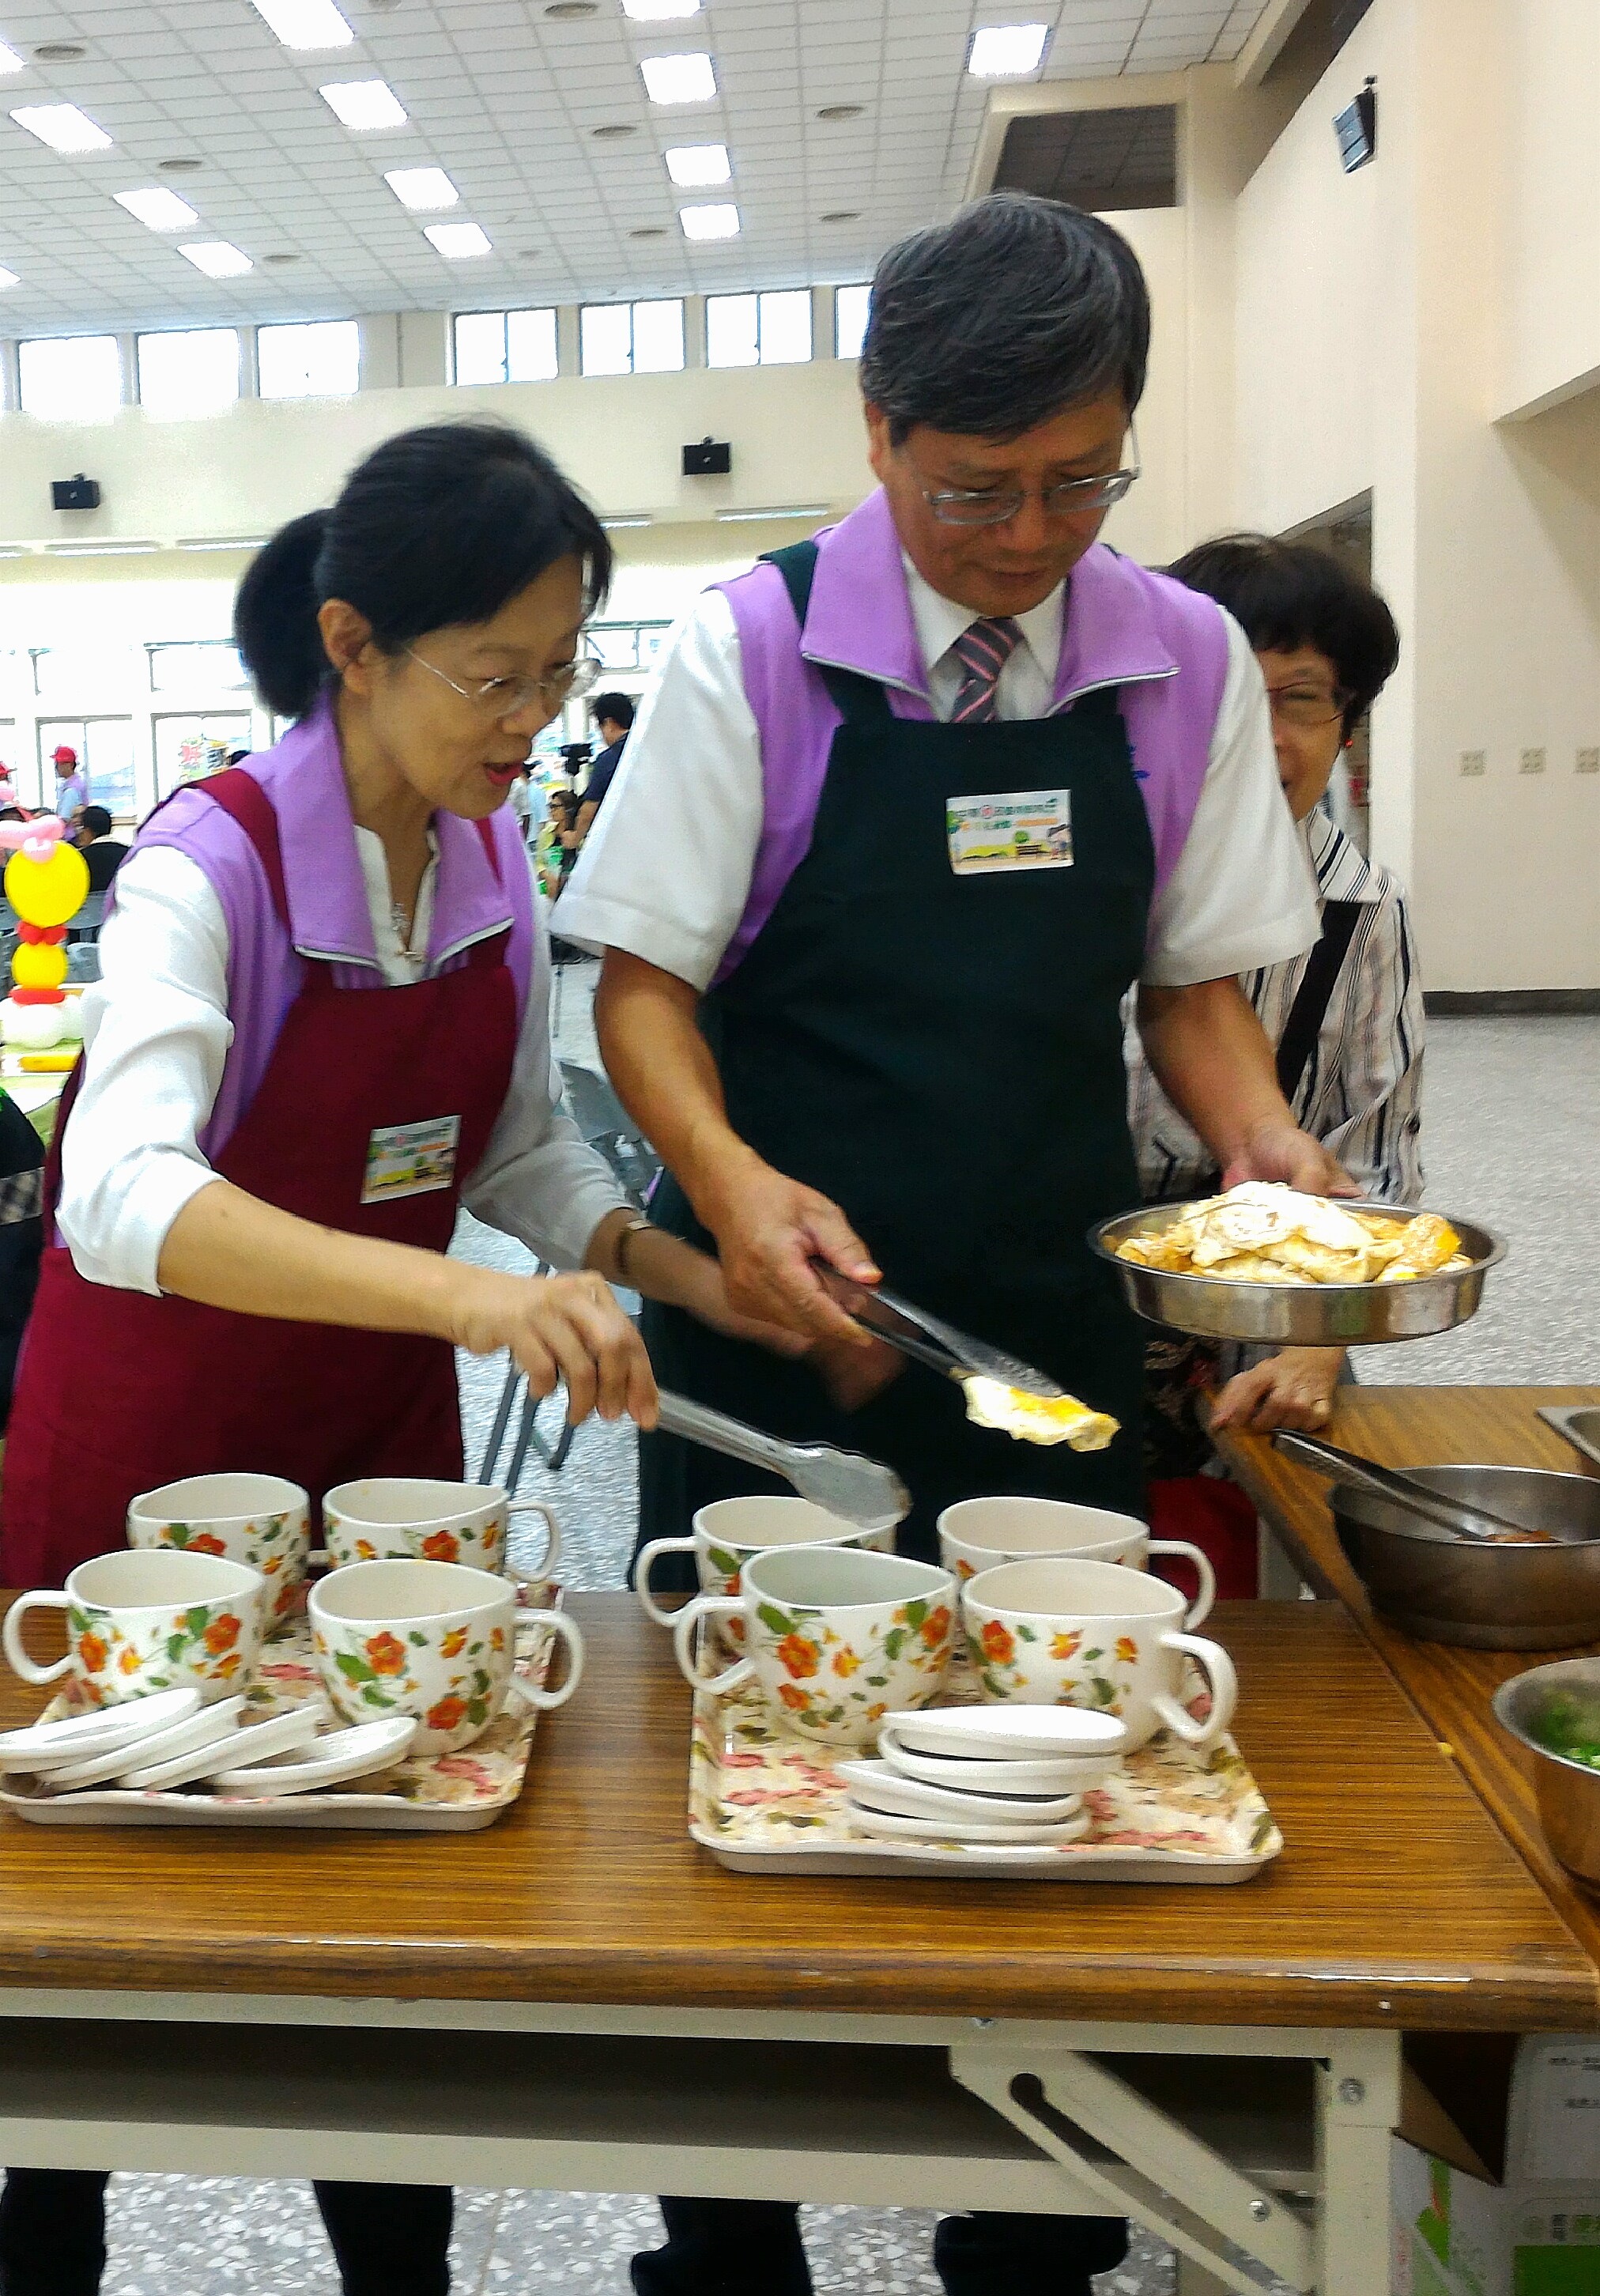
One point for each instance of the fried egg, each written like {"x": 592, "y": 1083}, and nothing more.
{"x": 1035, "y": 1418}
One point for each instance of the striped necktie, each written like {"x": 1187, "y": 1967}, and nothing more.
{"x": 983, "y": 650}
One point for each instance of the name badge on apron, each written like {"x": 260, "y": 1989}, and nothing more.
{"x": 411, "y": 1160}
{"x": 1024, "y": 829}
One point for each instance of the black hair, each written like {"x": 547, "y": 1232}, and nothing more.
{"x": 993, "y": 322}
{"x": 1286, "y": 595}
{"x": 617, "y": 707}
{"x": 436, "y": 528}
{"x": 96, "y": 820}
{"x": 12, "y": 813}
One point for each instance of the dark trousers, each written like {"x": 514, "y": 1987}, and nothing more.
{"x": 753, "y": 2248}
{"x": 388, "y": 2239}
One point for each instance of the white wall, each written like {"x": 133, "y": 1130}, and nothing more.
{"x": 1372, "y": 328}
{"x": 1551, "y": 93}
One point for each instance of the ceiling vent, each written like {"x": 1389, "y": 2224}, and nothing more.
{"x": 1100, "y": 160}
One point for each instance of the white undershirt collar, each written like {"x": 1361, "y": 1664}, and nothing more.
{"x": 939, "y": 621}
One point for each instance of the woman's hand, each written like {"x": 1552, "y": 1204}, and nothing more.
{"x": 1293, "y": 1389}
{"x": 559, "y": 1327}
{"x": 1273, "y": 1150}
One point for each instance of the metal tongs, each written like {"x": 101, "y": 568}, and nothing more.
{"x": 859, "y": 1490}
{"x": 954, "y": 1354}
{"x": 1480, "y": 1525}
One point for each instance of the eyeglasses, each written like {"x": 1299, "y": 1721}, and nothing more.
{"x": 508, "y": 697}
{"x": 1307, "y": 707}
{"x": 975, "y": 506}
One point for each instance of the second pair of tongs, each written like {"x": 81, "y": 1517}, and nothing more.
{"x": 928, "y": 1339}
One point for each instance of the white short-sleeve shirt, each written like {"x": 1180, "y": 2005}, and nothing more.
{"x": 666, "y": 873}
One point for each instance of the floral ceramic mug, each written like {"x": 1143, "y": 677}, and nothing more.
{"x": 433, "y": 1640}
{"x": 1060, "y": 1631}
{"x": 729, "y": 1533}
{"x": 260, "y": 1521}
{"x": 837, "y": 1637}
{"x": 385, "y": 1517}
{"x": 980, "y": 1534}
{"x": 147, "y": 1620}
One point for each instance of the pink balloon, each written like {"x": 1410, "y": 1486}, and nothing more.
{"x": 39, "y": 848}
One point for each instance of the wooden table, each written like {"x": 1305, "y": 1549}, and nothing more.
{"x": 581, "y": 1996}
{"x": 1450, "y": 1688}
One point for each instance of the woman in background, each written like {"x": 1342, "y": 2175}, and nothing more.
{"x": 1347, "y": 1017}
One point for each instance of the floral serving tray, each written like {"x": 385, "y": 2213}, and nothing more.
{"x": 762, "y": 1800}
{"x": 425, "y": 1794}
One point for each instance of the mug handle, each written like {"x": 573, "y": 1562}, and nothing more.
{"x": 647, "y": 1556}
{"x": 546, "y": 1562}
{"x": 17, "y": 1657}
{"x": 1219, "y": 1669}
{"x": 1201, "y": 1608}
{"x": 684, "y": 1623}
{"x": 566, "y": 1631}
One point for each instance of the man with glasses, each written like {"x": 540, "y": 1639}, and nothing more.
{"x": 906, "y": 811}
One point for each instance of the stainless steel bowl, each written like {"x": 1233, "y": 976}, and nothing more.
{"x": 1299, "y": 1315}
{"x": 1579, "y": 1424}
{"x": 1569, "y": 1791}
{"x": 1447, "y": 1590}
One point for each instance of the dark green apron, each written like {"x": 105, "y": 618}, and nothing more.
{"x": 942, "y": 1057}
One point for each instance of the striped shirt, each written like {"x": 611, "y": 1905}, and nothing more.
{"x": 1360, "y": 1094}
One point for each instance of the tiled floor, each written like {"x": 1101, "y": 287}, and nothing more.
{"x": 1513, "y": 1114}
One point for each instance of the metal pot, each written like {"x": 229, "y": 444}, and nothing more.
{"x": 1489, "y": 1597}
{"x": 1569, "y": 1791}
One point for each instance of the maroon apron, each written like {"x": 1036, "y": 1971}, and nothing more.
{"x": 118, "y": 1391}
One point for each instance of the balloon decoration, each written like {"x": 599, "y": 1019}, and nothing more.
{"x": 47, "y": 883}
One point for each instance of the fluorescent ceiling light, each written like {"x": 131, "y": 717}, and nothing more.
{"x": 422, "y": 187}
{"x": 745, "y": 517}
{"x": 8, "y": 278}
{"x": 616, "y": 525}
{"x": 1006, "y": 51}
{"x": 218, "y": 258}
{"x": 710, "y": 222}
{"x": 225, "y": 542}
{"x": 9, "y": 60}
{"x": 660, "y": 12}
{"x": 63, "y": 126}
{"x": 158, "y": 209}
{"x": 98, "y": 549}
{"x": 305, "y": 24}
{"x": 690, "y": 164}
{"x": 362, "y": 103}
{"x": 458, "y": 241}
{"x": 677, "y": 79}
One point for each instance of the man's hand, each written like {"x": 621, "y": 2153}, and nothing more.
{"x": 1275, "y": 1151}
{"x": 1293, "y": 1389}
{"x": 853, "y": 1375}
{"x": 769, "y": 1230}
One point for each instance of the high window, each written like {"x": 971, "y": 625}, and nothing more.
{"x": 631, "y": 338}
{"x": 766, "y": 330}
{"x": 319, "y": 358}
{"x": 188, "y": 748}
{"x": 849, "y": 320}
{"x": 182, "y": 665}
{"x": 71, "y": 378}
{"x": 195, "y": 372}
{"x": 506, "y": 346}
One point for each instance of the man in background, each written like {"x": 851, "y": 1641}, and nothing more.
{"x": 71, "y": 789}
{"x": 104, "y": 852}
{"x": 613, "y": 721}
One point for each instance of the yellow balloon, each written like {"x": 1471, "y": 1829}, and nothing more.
{"x": 39, "y": 965}
{"x": 47, "y": 892}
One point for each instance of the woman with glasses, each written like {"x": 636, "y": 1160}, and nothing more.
{"x": 1345, "y": 1018}
{"x": 322, "y": 1023}
{"x": 905, "y": 812}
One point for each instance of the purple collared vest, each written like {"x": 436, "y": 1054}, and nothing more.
{"x": 304, "y": 779}
{"x": 1163, "y": 647}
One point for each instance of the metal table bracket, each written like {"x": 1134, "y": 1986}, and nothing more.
{"x": 1143, "y": 2163}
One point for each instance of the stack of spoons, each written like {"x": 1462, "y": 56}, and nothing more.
{"x": 984, "y": 1774}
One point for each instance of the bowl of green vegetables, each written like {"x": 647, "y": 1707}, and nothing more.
{"x": 1555, "y": 1712}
